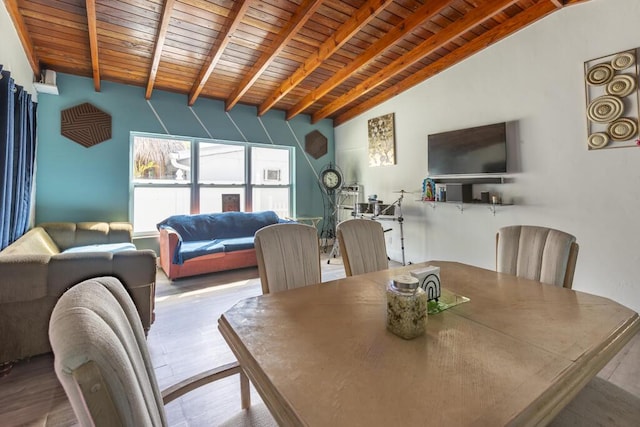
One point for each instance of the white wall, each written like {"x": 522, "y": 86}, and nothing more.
{"x": 534, "y": 77}
{"x": 12, "y": 56}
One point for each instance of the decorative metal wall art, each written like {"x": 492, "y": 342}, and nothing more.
{"x": 315, "y": 143}
{"x": 85, "y": 124}
{"x": 613, "y": 107}
{"x": 382, "y": 141}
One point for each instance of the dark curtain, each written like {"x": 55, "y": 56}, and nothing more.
{"x": 17, "y": 158}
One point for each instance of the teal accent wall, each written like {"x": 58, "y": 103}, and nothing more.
{"x": 75, "y": 183}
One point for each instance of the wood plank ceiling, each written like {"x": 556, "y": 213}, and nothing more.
{"x": 327, "y": 58}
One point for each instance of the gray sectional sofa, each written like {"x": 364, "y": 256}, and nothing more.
{"x": 38, "y": 267}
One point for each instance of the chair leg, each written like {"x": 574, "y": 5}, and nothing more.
{"x": 245, "y": 393}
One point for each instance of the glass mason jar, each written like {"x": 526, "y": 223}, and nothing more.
{"x": 406, "y": 307}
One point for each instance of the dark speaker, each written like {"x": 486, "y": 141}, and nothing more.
{"x": 459, "y": 193}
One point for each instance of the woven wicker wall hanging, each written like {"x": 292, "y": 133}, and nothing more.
{"x": 613, "y": 108}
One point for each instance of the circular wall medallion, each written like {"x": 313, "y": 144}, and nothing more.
{"x": 600, "y": 74}
{"x": 621, "y": 85}
{"x": 623, "y": 60}
{"x": 598, "y": 140}
{"x": 622, "y": 129}
{"x": 605, "y": 109}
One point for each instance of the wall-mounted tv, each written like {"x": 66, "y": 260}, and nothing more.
{"x": 472, "y": 151}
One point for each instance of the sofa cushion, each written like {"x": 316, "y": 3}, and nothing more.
{"x": 22, "y": 278}
{"x": 24, "y": 267}
{"x": 190, "y": 250}
{"x": 239, "y": 244}
{"x": 34, "y": 242}
{"x": 227, "y": 225}
{"x": 107, "y": 247}
{"x": 70, "y": 234}
{"x": 137, "y": 269}
{"x": 63, "y": 233}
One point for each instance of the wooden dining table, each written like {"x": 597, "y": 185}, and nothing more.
{"x": 514, "y": 354}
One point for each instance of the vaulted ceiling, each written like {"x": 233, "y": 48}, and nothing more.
{"x": 326, "y": 58}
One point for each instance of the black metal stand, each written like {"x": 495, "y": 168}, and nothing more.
{"x": 338, "y": 204}
{"x": 329, "y": 224}
{"x": 400, "y": 220}
{"x": 335, "y": 249}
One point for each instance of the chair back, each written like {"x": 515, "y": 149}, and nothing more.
{"x": 362, "y": 246}
{"x": 101, "y": 357}
{"x": 537, "y": 253}
{"x": 288, "y": 256}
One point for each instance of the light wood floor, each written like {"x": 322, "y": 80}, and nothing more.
{"x": 184, "y": 340}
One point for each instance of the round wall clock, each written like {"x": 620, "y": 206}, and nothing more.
{"x": 331, "y": 179}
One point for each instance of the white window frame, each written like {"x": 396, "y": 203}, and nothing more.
{"x": 196, "y": 186}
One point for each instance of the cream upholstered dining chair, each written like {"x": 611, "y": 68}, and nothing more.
{"x": 537, "y": 253}
{"x": 288, "y": 256}
{"x": 102, "y": 361}
{"x": 362, "y": 246}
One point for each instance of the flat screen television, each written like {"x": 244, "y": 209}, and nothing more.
{"x": 473, "y": 151}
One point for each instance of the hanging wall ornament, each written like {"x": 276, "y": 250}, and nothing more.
{"x": 85, "y": 124}
{"x": 621, "y": 85}
{"x": 623, "y": 129}
{"x": 315, "y": 144}
{"x": 598, "y": 140}
{"x": 623, "y": 60}
{"x": 605, "y": 109}
{"x": 613, "y": 100}
{"x": 600, "y": 74}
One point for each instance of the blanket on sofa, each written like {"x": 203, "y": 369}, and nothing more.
{"x": 203, "y": 234}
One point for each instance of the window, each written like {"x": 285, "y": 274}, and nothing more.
{"x": 178, "y": 175}
{"x": 270, "y": 172}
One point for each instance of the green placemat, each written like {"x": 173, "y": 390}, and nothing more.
{"x": 447, "y": 300}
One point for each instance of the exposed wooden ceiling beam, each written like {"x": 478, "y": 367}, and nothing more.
{"x": 93, "y": 42}
{"x": 444, "y": 36}
{"x": 417, "y": 18}
{"x": 233, "y": 21}
{"x": 359, "y": 19}
{"x": 157, "y": 51}
{"x": 195, "y": 41}
{"x": 562, "y": 3}
{"x": 305, "y": 11}
{"x": 23, "y": 35}
{"x": 524, "y": 18}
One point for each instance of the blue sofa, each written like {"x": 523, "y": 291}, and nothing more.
{"x": 207, "y": 243}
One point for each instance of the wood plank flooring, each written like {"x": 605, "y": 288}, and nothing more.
{"x": 184, "y": 340}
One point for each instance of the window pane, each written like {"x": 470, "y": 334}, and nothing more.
{"x": 158, "y": 159}
{"x": 221, "y": 199}
{"x": 270, "y": 166}
{"x": 152, "y": 205}
{"x": 221, "y": 164}
{"x": 272, "y": 199}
